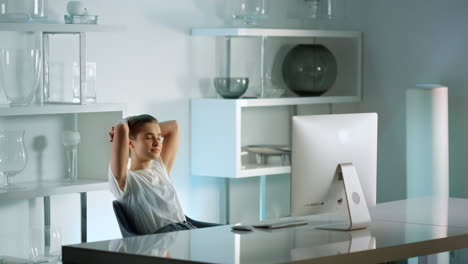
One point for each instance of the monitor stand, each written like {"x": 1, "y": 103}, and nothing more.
{"x": 358, "y": 212}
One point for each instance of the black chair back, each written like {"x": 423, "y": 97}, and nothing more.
{"x": 126, "y": 228}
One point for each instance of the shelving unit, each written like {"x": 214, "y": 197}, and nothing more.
{"x": 216, "y": 149}
{"x": 44, "y": 124}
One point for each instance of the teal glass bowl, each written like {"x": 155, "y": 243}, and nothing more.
{"x": 231, "y": 87}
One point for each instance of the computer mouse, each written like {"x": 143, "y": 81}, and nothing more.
{"x": 243, "y": 228}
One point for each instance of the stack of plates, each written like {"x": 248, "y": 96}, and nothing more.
{"x": 265, "y": 150}
{"x": 269, "y": 149}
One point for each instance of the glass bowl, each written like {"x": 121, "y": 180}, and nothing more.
{"x": 231, "y": 87}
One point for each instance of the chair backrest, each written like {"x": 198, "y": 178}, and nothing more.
{"x": 126, "y": 228}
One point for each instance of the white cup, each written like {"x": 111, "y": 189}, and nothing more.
{"x": 75, "y": 8}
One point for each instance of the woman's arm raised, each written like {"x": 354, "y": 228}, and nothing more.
{"x": 120, "y": 152}
{"x": 170, "y": 132}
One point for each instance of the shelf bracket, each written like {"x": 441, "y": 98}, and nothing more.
{"x": 47, "y": 220}
{"x": 84, "y": 217}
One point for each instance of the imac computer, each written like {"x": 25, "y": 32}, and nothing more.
{"x": 334, "y": 166}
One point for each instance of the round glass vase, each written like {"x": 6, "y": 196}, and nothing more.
{"x": 309, "y": 69}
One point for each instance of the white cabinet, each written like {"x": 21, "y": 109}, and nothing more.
{"x": 220, "y": 128}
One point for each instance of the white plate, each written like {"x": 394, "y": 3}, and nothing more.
{"x": 269, "y": 149}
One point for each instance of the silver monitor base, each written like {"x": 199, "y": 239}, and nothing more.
{"x": 358, "y": 212}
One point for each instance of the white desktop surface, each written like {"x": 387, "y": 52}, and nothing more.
{"x": 425, "y": 210}
{"x": 397, "y": 232}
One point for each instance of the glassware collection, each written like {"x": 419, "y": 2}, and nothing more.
{"x": 21, "y": 68}
{"x": 307, "y": 70}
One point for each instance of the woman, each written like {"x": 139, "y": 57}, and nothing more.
{"x": 145, "y": 189}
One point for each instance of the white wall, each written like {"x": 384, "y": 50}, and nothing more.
{"x": 406, "y": 43}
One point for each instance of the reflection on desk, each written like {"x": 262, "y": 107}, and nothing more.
{"x": 347, "y": 242}
{"x": 156, "y": 246}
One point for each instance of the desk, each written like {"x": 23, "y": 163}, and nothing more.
{"x": 397, "y": 232}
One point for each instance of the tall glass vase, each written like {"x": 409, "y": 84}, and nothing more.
{"x": 13, "y": 156}
{"x": 20, "y": 72}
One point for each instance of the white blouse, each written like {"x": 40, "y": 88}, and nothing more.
{"x": 149, "y": 199}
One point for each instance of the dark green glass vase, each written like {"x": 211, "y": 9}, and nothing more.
{"x": 309, "y": 69}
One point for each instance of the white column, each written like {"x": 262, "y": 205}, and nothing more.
{"x": 427, "y": 159}
{"x": 427, "y": 156}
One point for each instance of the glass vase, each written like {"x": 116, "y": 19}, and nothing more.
{"x": 45, "y": 244}
{"x": 20, "y": 71}
{"x": 13, "y": 156}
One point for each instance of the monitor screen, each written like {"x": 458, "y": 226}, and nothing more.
{"x": 319, "y": 144}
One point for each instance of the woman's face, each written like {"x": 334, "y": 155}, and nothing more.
{"x": 147, "y": 144}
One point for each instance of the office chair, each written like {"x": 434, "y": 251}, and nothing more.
{"x": 127, "y": 229}
{"x": 125, "y": 226}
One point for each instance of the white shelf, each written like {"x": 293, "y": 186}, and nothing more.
{"x": 59, "y": 28}
{"x": 47, "y": 109}
{"x": 283, "y": 101}
{"x": 253, "y": 170}
{"x": 270, "y": 32}
{"x": 49, "y": 188}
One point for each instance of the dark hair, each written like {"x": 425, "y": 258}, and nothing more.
{"x": 135, "y": 122}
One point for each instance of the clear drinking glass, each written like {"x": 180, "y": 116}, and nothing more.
{"x": 70, "y": 140}
{"x": 333, "y": 9}
{"x": 20, "y": 71}
{"x": 323, "y": 9}
{"x": 45, "y": 244}
{"x": 13, "y": 156}
{"x": 90, "y": 85}
{"x": 311, "y": 9}
{"x": 250, "y": 11}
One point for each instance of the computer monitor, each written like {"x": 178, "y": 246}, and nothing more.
{"x": 319, "y": 144}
